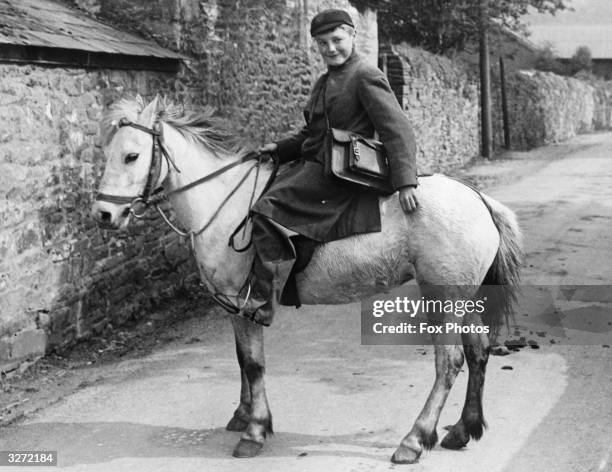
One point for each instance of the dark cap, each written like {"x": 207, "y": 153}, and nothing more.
{"x": 329, "y": 20}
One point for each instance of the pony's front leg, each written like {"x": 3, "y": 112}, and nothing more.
{"x": 242, "y": 415}
{"x": 250, "y": 350}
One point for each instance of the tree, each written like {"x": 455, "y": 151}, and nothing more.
{"x": 443, "y": 25}
{"x": 582, "y": 60}
{"x": 546, "y": 60}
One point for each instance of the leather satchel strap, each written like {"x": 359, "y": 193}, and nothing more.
{"x": 324, "y": 91}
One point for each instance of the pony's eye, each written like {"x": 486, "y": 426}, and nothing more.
{"x": 131, "y": 157}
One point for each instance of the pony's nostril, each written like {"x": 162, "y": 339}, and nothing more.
{"x": 105, "y": 216}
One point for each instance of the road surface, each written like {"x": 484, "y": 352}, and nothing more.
{"x": 341, "y": 406}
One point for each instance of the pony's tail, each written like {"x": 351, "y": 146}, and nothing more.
{"x": 501, "y": 283}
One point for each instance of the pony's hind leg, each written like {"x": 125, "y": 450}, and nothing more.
{"x": 471, "y": 424}
{"x": 250, "y": 349}
{"x": 423, "y": 435}
{"x": 449, "y": 360}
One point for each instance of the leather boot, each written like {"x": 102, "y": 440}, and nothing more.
{"x": 269, "y": 279}
{"x": 274, "y": 259}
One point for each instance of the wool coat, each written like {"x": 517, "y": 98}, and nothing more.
{"x": 356, "y": 97}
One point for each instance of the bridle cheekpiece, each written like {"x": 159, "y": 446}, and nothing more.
{"x": 154, "y": 196}
{"x": 140, "y": 203}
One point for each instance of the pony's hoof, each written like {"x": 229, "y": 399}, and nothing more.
{"x": 236, "y": 424}
{"x": 403, "y": 455}
{"x": 247, "y": 448}
{"x": 455, "y": 439}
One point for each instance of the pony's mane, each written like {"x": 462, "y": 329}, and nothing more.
{"x": 198, "y": 126}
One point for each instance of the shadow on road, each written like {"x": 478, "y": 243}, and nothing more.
{"x": 100, "y": 442}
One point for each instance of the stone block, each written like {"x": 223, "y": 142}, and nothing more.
{"x": 22, "y": 345}
{"x": 5, "y": 349}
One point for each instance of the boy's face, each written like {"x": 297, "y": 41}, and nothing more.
{"x": 336, "y": 46}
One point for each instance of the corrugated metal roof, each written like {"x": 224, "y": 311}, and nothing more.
{"x": 44, "y": 23}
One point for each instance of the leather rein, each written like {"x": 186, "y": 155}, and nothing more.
{"x": 151, "y": 196}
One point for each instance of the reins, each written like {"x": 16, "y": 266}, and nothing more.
{"x": 153, "y": 197}
{"x": 154, "y": 170}
{"x": 191, "y": 234}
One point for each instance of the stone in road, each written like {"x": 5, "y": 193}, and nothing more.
{"x": 341, "y": 406}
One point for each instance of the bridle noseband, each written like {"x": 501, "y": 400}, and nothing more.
{"x": 140, "y": 203}
{"x": 151, "y": 196}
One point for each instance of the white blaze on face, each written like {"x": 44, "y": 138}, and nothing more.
{"x": 128, "y": 158}
{"x": 125, "y": 175}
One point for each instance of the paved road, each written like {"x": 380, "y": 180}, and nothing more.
{"x": 341, "y": 406}
{"x": 565, "y": 208}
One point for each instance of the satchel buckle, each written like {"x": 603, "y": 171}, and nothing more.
{"x": 355, "y": 148}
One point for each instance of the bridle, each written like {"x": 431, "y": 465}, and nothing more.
{"x": 151, "y": 196}
{"x": 158, "y": 149}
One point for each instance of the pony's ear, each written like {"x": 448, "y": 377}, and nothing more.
{"x": 147, "y": 116}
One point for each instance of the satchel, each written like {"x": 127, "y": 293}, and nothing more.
{"x": 358, "y": 160}
{"x": 352, "y": 158}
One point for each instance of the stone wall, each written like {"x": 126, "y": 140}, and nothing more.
{"x": 544, "y": 108}
{"x": 254, "y": 60}
{"x": 442, "y": 103}
{"x": 61, "y": 278}
{"x": 441, "y": 97}
{"x": 602, "y": 119}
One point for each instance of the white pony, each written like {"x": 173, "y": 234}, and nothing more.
{"x": 457, "y": 239}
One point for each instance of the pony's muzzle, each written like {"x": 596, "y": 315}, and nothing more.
{"x": 110, "y": 215}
